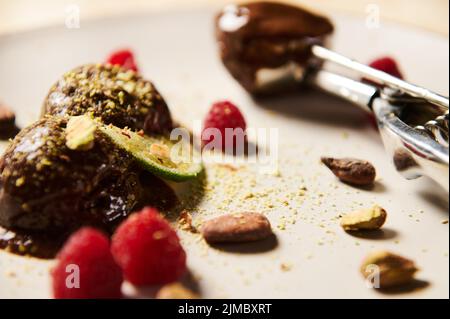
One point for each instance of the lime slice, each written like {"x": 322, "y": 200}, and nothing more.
{"x": 173, "y": 160}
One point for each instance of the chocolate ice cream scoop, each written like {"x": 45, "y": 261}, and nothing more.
{"x": 56, "y": 176}
{"x": 115, "y": 95}
{"x": 267, "y": 36}
{"x": 46, "y": 186}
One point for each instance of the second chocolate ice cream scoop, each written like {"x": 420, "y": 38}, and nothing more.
{"x": 115, "y": 95}
{"x": 267, "y": 35}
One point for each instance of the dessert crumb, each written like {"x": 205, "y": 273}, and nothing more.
{"x": 185, "y": 222}
{"x": 285, "y": 267}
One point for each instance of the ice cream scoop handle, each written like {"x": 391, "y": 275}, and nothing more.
{"x": 356, "y": 92}
{"x": 381, "y": 77}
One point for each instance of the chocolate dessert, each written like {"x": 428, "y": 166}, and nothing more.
{"x": 266, "y": 35}
{"x": 52, "y": 181}
{"x": 47, "y": 186}
{"x": 115, "y": 95}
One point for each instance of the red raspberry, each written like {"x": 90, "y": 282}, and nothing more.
{"x": 86, "y": 260}
{"x": 125, "y": 58}
{"x": 221, "y": 116}
{"x": 388, "y": 65}
{"x": 148, "y": 249}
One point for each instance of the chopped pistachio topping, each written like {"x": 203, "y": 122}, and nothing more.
{"x": 80, "y": 133}
{"x": 20, "y": 181}
{"x": 159, "y": 150}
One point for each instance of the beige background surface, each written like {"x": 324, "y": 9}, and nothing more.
{"x": 17, "y": 15}
{"x": 322, "y": 259}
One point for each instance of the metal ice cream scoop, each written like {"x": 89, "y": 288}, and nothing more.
{"x": 263, "y": 43}
{"x": 415, "y": 150}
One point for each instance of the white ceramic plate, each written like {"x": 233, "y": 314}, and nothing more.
{"x": 177, "y": 51}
